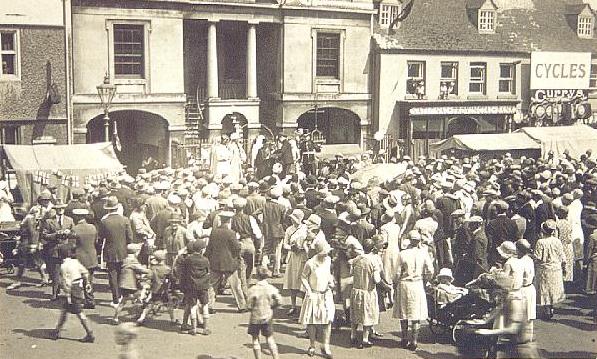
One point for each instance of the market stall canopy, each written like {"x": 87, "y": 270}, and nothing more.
{"x": 487, "y": 142}
{"x": 384, "y": 172}
{"x": 95, "y": 157}
{"x": 59, "y": 162}
{"x": 576, "y": 139}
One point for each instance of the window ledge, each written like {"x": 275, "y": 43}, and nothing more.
{"x": 327, "y": 80}
{"x": 414, "y": 97}
{"x": 477, "y": 97}
{"x": 507, "y": 96}
{"x": 9, "y": 78}
{"x": 124, "y": 81}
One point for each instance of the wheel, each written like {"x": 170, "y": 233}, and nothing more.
{"x": 10, "y": 269}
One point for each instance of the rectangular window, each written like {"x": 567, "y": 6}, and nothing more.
{"x": 328, "y": 55}
{"x": 448, "y": 79}
{"x": 507, "y": 81}
{"x": 129, "y": 51}
{"x": 593, "y": 79}
{"x": 478, "y": 78}
{"x": 415, "y": 82}
{"x": 8, "y": 52}
{"x": 486, "y": 21}
{"x": 387, "y": 14}
{"x": 10, "y": 135}
{"x": 585, "y": 26}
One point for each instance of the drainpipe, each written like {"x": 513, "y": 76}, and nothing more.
{"x": 67, "y": 21}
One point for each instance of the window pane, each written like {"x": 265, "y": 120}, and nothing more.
{"x": 414, "y": 70}
{"x": 447, "y": 71}
{"x": 8, "y": 65}
{"x": 8, "y": 41}
{"x": 504, "y": 86}
{"x": 475, "y": 87}
{"x": 328, "y": 55}
{"x": 10, "y": 135}
{"x": 129, "y": 50}
{"x": 476, "y": 72}
{"x": 505, "y": 71}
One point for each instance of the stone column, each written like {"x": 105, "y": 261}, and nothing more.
{"x": 212, "y": 61}
{"x": 251, "y": 61}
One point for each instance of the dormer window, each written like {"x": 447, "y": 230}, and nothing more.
{"x": 486, "y": 21}
{"x": 585, "y": 26}
{"x": 388, "y": 13}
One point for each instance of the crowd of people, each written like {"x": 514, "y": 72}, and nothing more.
{"x": 346, "y": 250}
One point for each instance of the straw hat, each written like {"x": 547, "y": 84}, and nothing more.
{"x": 297, "y": 216}
{"x": 313, "y": 220}
{"x": 322, "y": 247}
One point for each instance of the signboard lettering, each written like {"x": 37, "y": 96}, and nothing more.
{"x": 560, "y": 70}
{"x": 463, "y": 110}
{"x": 559, "y": 95}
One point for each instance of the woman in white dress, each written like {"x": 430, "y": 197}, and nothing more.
{"x": 317, "y": 311}
{"x": 390, "y": 232}
{"x": 296, "y": 245}
{"x": 529, "y": 293}
{"x": 364, "y": 305}
{"x": 410, "y": 304}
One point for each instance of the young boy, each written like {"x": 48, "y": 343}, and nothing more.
{"x": 262, "y": 298}
{"x": 129, "y": 284}
{"x": 195, "y": 282}
{"x": 159, "y": 294}
{"x": 73, "y": 279}
{"x": 446, "y": 291}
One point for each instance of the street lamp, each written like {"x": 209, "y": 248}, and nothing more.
{"x": 106, "y": 93}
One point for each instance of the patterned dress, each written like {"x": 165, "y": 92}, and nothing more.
{"x": 549, "y": 281}
{"x": 565, "y": 235}
{"x": 364, "y": 307}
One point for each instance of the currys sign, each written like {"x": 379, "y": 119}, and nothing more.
{"x": 560, "y": 70}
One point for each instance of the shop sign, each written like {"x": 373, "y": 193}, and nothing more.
{"x": 559, "y": 95}
{"x": 560, "y": 70}
{"x": 463, "y": 110}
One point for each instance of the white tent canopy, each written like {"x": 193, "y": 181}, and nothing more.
{"x": 576, "y": 139}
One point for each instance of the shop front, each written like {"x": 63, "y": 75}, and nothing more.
{"x": 425, "y": 122}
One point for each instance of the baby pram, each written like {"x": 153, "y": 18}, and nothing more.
{"x": 444, "y": 316}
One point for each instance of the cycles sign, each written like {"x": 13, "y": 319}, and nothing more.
{"x": 560, "y": 70}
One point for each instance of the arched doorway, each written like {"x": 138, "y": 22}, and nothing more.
{"x": 142, "y": 135}
{"x": 462, "y": 125}
{"x": 338, "y": 125}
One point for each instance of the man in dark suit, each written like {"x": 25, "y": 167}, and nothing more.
{"x": 55, "y": 230}
{"x": 115, "y": 230}
{"x": 476, "y": 256}
{"x": 86, "y": 237}
{"x": 97, "y": 206}
{"x": 272, "y": 229}
{"x": 223, "y": 252}
{"x": 499, "y": 230}
{"x": 527, "y": 211}
{"x": 329, "y": 219}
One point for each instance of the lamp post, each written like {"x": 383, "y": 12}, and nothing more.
{"x": 106, "y": 92}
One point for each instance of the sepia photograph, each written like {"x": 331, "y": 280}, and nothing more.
{"x": 286, "y": 179}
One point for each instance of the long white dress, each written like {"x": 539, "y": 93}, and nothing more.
{"x": 574, "y": 216}
{"x": 221, "y": 158}
{"x": 529, "y": 293}
{"x": 318, "y": 307}
{"x": 391, "y": 233}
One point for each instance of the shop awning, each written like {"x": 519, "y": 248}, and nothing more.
{"x": 65, "y": 166}
{"x": 96, "y": 157}
{"x": 487, "y": 142}
{"x": 576, "y": 139}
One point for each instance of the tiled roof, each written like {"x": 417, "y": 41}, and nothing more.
{"x": 446, "y": 25}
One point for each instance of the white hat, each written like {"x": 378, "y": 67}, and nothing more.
{"x": 174, "y": 199}
{"x": 445, "y": 272}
